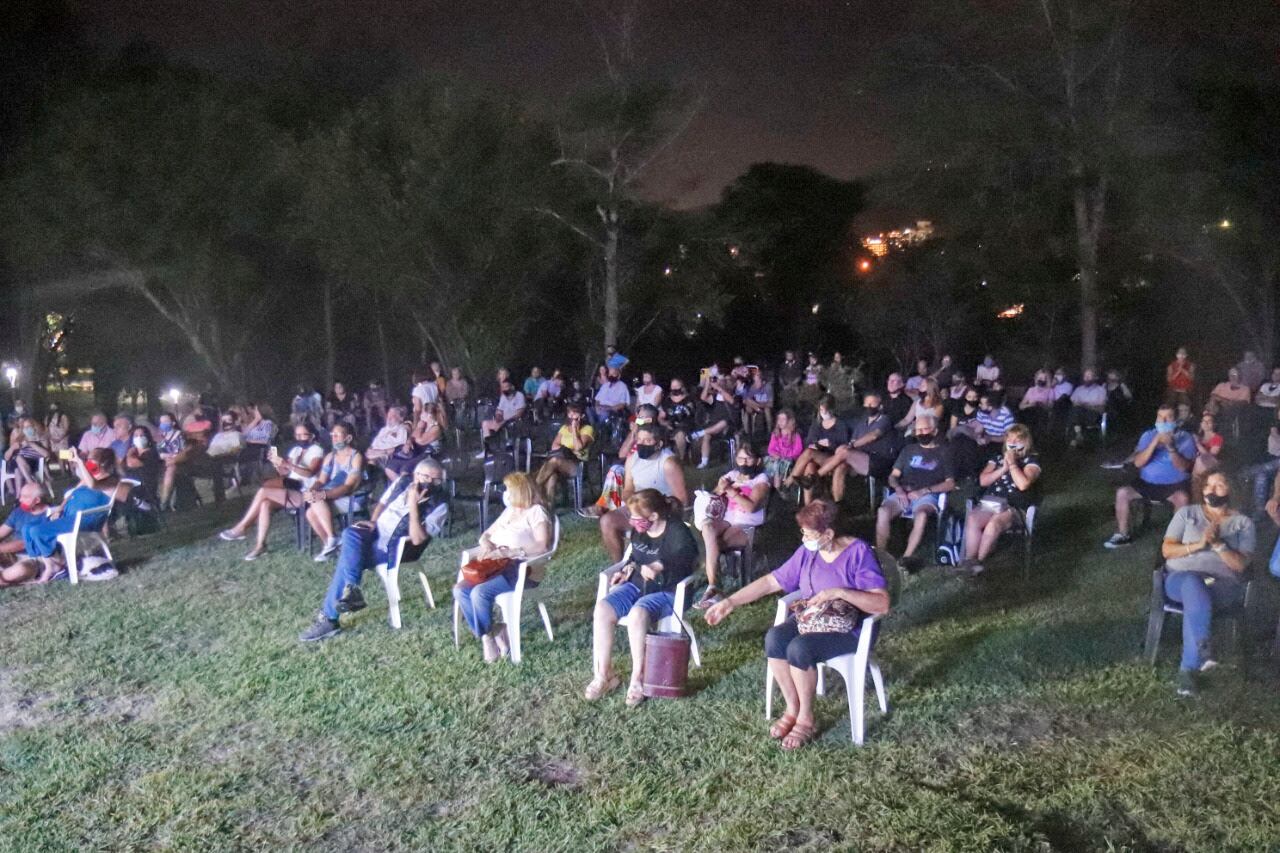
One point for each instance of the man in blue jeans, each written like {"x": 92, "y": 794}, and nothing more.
{"x": 1206, "y": 550}
{"x": 414, "y": 506}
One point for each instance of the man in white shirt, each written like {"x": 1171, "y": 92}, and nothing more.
{"x": 389, "y": 438}
{"x": 1088, "y": 404}
{"x": 425, "y": 393}
{"x": 612, "y": 397}
{"x": 510, "y": 409}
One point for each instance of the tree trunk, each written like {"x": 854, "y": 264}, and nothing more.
{"x": 329, "y": 356}
{"x": 611, "y": 280}
{"x": 1089, "y": 205}
{"x": 382, "y": 342}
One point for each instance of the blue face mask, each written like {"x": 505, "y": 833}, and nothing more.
{"x": 1165, "y": 426}
{"x": 166, "y": 427}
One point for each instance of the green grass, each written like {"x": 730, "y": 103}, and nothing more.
{"x": 174, "y": 709}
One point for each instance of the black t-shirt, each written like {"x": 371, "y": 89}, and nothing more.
{"x": 882, "y": 446}
{"x": 679, "y": 415}
{"x": 1007, "y": 489}
{"x": 790, "y": 373}
{"x": 923, "y": 467}
{"x": 836, "y": 435}
{"x": 675, "y": 549}
{"x": 897, "y": 407}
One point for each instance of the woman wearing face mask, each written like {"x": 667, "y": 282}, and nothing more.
{"x": 649, "y": 466}
{"x": 663, "y": 553}
{"x": 58, "y": 428}
{"x": 142, "y": 461}
{"x": 569, "y": 451}
{"x": 1206, "y": 549}
{"x": 826, "y": 433}
{"x": 826, "y": 567}
{"x": 297, "y": 472}
{"x": 677, "y": 415}
{"x": 746, "y": 488}
{"x": 523, "y": 530}
{"x": 173, "y": 451}
{"x": 28, "y": 445}
{"x": 1010, "y": 485}
{"x": 341, "y": 473}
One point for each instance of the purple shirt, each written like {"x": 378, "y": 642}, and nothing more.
{"x": 856, "y": 567}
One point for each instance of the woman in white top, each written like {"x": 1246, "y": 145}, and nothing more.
{"x": 747, "y": 490}
{"x": 649, "y": 392}
{"x": 1268, "y": 396}
{"x": 298, "y": 472}
{"x": 930, "y": 402}
{"x": 523, "y": 530}
{"x": 651, "y": 466}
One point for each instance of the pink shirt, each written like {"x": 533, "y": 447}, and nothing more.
{"x": 90, "y": 441}
{"x": 782, "y": 447}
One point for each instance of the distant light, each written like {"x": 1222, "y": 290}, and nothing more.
{"x": 984, "y": 282}
{"x": 1012, "y": 311}
{"x": 864, "y": 265}
{"x": 816, "y": 307}
{"x": 174, "y": 395}
{"x": 11, "y": 373}
{"x": 733, "y": 251}
{"x": 666, "y": 271}
{"x": 1224, "y": 224}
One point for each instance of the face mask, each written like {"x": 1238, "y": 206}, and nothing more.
{"x": 925, "y": 438}
{"x": 19, "y": 410}
{"x": 640, "y": 525}
{"x": 1016, "y": 448}
{"x": 166, "y": 428}
{"x": 643, "y": 421}
{"x": 646, "y": 451}
{"x": 749, "y": 470}
{"x": 99, "y": 430}
{"x": 812, "y": 544}
{"x": 29, "y": 506}
{"x": 29, "y": 432}
{"x": 1059, "y": 379}
{"x": 140, "y": 442}
{"x": 340, "y": 444}
{"x": 1041, "y": 382}
{"x": 1164, "y": 426}
{"x": 1215, "y": 501}
{"x": 506, "y": 499}
{"x": 971, "y": 404}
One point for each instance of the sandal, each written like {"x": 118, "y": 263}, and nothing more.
{"x": 782, "y": 726}
{"x": 635, "y": 695}
{"x": 799, "y": 736}
{"x": 600, "y": 686}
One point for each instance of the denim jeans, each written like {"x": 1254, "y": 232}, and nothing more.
{"x": 1262, "y": 475}
{"x": 477, "y": 601}
{"x": 1199, "y": 600}
{"x": 359, "y": 551}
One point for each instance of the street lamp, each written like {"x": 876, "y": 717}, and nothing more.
{"x": 11, "y": 373}
{"x": 174, "y": 395}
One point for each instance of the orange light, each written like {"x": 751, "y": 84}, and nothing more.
{"x": 864, "y": 265}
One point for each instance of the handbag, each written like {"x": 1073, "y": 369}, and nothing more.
{"x": 708, "y": 506}
{"x": 477, "y": 572}
{"x": 830, "y": 617}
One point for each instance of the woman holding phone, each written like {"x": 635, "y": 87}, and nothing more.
{"x": 297, "y": 472}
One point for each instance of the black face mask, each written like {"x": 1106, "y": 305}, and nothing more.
{"x": 749, "y": 470}
{"x": 646, "y": 451}
{"x": 925, "y": 438}
{"x": 1215, "y": 501}
{"x": 1041, "y": 382}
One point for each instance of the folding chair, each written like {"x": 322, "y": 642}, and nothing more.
{"x": 510, "y": 603}
{"x": 853, "y": 668}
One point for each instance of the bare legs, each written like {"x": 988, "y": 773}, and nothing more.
{"x": 798, "y": 687}
{"x": 889, "y": 510}
{"x": 716, "y": 536}
{"x": 549, "y": 476}
{"x": 613, "y": 531}
{"x": 271, "y": 497}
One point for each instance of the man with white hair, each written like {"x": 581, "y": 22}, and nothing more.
{"x": 414, "y": 506}
{"x": 921, "y": 473}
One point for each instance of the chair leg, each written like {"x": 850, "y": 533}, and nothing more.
{"x": 546, "y": 621}
{"x": 858, "y": 700}
{"x": 426, "y": 591}
{"x": 877, "y": 679}
{"x": 457, "y": 617}
{"x": 1155, "y": 627}
{"x": 822, "y": 680}
{"x": 391, "y": 584}
{"x": 768, "y": 692}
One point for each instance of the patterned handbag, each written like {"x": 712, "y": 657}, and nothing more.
{"x": 830, "y": 617}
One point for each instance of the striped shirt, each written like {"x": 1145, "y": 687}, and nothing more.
{"x": 996, "y": 422}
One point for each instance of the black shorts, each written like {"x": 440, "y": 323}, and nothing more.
{"x": 1154, "y": 492}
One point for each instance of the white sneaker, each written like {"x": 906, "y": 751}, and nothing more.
{"x": 705, "y": 463}
{"x": 228, "y": 536}
{"x": 330, "y": 546}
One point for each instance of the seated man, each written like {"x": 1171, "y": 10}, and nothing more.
{"x": 915, "y": 384}
{"x": 414, "y": 506}
{"x": 1229, "y": 400}
{"x": 1206, "y": 550}
{"x": 869, "y": 452}
{"x": 1088, "y": 405}
{"x": 922, "y": 472}
{"x": 122, "y": 429}
{"x": 390, "y": 438}
{"x": 97, "y": 435}
{"x": 1163, "y": 457}
{"x": 718, "y": 400}
{"x": 15, "y": 568}
{"x": 993, "y": 417}
{"x": 613, "y": 397}
{"x": 508, "y": 414}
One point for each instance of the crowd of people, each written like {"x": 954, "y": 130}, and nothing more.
{"x": 369, "y": 475}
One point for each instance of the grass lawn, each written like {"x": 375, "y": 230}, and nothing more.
{"x": 174, "y": 708}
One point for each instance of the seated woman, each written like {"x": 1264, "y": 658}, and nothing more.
{"x": 1208, "y": 448}
{"x": 717, "y": 397}
{"x": 650, "y": 465}
{"x": 676, "y": 414}
{"x": 757, "y": 399}
{"x": 28, "y": 446}
{"x": 297, "y": 472}
{"x": 648, "y": 392}
{"x": 1010, "y": 485}
{"x": 58, "y": 428}
{"x": 1229, "y": 400}
{"x": 340, "y": 406}
{"x": 785, "y": 447}
{"x": 930, "y": 402}
{"x": 98, "y": 485}
{"x": 825, "y": 434}
{"x": 570, "y": 450}
{"x": 746, "y": 488}
{"x": 341, "y": 473}
{"x": 663, "y": 553}
{"x": 611, "y": 490}
{"x": 390, "y": 438}
{"x": 174, "y": 452}
{"x": 426, "y": 439}
{"x": 523, "y": 530}
{"x": 142, "y": 462}
{"x": 1206, "y": 549}
{"x": 260, "y": 428}
{"x": 826, "y": 567}
{"x": 1036, "y": 405}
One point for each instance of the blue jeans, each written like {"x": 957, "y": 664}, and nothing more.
{"x": 1262, "y": 475}
{"x": 359, "y": 552}
{"x": 477, "y": 601}
{"x": 1198, "y": 601}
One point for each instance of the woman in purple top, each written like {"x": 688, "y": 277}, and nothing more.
{"x": 826, "y": 567}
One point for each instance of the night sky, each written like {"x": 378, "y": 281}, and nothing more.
{"x": 775, "y": 74}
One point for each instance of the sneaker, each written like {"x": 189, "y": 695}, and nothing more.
{"x": 228, "y": 536}
{"x": 503, "y": 642}
{"x": 330, "y": 546}
{"x": 1187, "y": 683}
{"x": 1118, "y": 540}
{"x": 962, "y": 569}
{"x": 976, "y": 569}
{"x": 351, "y": 599}
{"x": 490, "y": 648}
{"x": 253, "y": 555}
{"x": 322, "y": 629}
{"x": 709, "y": 598}
{"x": 705, "y": 463}
{"x": 696, "y": 434}
{"x": 1209, "y": 663}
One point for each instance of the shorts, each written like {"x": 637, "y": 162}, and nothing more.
{"x": 910, "y": 511}
{"x": 627, "y": 595}
{"x": 1158, "y": 492}
{"x": 777, "y": 467}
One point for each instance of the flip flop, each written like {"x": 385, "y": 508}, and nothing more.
{"x": 799, "y": 736}
{"x": 600, "y": 686}
{"x": 635, "y": 695}
{"x": 782, "y": 726}
{"x": 228, "y": 536}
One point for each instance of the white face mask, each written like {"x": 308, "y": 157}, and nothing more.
{"x": 139, "y": 442}
{"x": 812, "y": 544}
{"x": 506, "y": 499}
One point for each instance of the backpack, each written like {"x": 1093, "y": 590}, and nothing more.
{"x": 950, "y": 540}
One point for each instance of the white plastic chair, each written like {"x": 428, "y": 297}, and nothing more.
{"x": 673, "y": 624}
{"x": 510, "y": 603}
{"x": 85, "y": 526}
{"x": 853, "y": 668}
{"x": 389, "y": 574}
{"x": 9, "y": 476}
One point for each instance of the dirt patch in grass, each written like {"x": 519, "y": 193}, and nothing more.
{"x": 23, "y": 708}
{"x": 554, "y": 772}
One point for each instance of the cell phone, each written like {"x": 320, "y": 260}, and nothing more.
{"x": 66, "y": 455}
